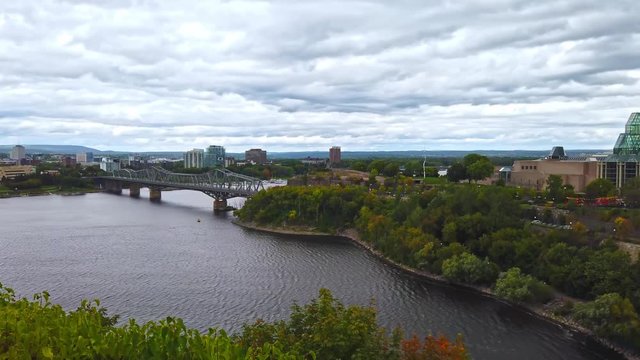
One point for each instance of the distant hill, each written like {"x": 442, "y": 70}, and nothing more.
{"x": 73, "y": 149}
{"x": 420, "y": 154}
{"x": 50, "y": 149}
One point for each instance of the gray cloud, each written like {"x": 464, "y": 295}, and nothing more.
{"x": 287, "y": 75}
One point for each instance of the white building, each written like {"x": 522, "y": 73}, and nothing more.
{"x": 18, "y": 153}
{"x": 194, "y": 159}
{"x": 109, "y": 164}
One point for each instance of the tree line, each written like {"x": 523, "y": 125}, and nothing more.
{"x": 477, "y": 235}
{"x": 321, "y": 329}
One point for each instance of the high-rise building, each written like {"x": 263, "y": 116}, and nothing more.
{"x": 84, "y": 158}
{"x": 194, "y": 159}
{"x": 334, "y": 155}
{"x": 18, "y": 153}
{"x": 109, "y": 164}
{"x": 214, "y": 156}
{"x": 256, "y": 156}
{"x": 68, "y": 161}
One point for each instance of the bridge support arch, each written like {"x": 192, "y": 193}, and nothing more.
{"x": 113, "y": 186}
{"x": 134, "y": 190}
{"x": 155, "y": 194}
{"x": 219, "y": 205}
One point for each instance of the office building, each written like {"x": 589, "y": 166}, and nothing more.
{"x": 214, "y": 156}
{"x": 84, "y": 158}
{"x": 11, "y": 172}
{"x": 109, "y": 164}
{"x": 334, "y": 155}
{"x": 256, "y": 156}
{"x": 68, "y": 161}
{"x": 18, "y": 153}
{"x": 194, "y": 159}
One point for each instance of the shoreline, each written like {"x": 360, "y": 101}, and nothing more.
{"x": 61, "y": 193}
{"x": 537, "y": 311}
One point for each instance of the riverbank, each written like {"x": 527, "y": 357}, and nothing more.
{"x": 544, "y": 312}
{"x": 47, "y": 192}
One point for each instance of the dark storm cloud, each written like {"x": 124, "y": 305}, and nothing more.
{"x": 289, "y": 75}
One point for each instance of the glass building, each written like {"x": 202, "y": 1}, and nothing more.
{"x": 214, "y": 156}
{"x": 624, "y": 163}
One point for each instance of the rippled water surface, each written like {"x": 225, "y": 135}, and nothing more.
{"x": 149, "y": 260}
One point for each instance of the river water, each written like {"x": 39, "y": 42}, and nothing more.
{"x": 148, "y": 260}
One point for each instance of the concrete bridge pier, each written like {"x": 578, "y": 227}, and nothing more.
{"x": 155, "y": 194}
{"x": 134, "y": 190}
{"x": 114, "y": 187}
{"x": 219, "y": 205}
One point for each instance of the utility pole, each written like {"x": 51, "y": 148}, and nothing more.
{"x": 424, "y": 166}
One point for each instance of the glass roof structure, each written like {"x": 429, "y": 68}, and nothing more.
{"x": 629, "y": 142}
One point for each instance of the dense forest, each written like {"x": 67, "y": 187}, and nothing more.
{"x": 478, "y": 235}
{"x": 322, "y": 329}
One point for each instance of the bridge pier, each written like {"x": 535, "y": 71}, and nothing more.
{"x": 155, "y": 194}
{"x": 114, "y": 187}
{"x": 134, "y": 190}
{"x": 219, "y": 205}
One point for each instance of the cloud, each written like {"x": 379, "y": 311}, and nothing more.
{"x": 298, "y": 75}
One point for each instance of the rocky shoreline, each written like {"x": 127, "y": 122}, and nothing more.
{"x": 538, "y": 311}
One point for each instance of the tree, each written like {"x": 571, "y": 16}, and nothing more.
{"x": 610, "y": 315}
{"x": 599, "y": 188}
{"x": 480, "y": 169}
{"x": 469, "y": 268}
{"x": 457, "y": 172}
{"x": 516, "y": 286}
{"x": 631, "y": 192}
{"x": 391, "y": 169}
{"x": 555, "y": 192}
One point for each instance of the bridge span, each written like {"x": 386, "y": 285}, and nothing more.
{"x": 220, "y": 184}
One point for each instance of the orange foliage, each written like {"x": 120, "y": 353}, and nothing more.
{"x": 433, "y": 348}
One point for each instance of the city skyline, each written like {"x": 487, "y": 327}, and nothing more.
{"x": 305, "y": 76}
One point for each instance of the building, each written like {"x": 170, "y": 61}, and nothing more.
{"x": 314, "y": 161}
{"x": 109, "y": 164}
{"x": 577, "y": 172}
{"x": 334, "y": 155}
{"x": 11, "y": 172}
{"x": 84, "y": 158}
{"x": 68, "y": 161}
{"x": 256, "y": 156}
{"x": 194, "y": 159}
{"x": 229, "y": 161}
{"x": 214, "y": 156}
{"x": 624, "y": 163}
{"x": 18, "y": 153}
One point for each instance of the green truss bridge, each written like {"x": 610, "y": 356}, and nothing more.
{"x": 220, "y": 184}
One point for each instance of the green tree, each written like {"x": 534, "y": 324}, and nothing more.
{"x": 456, "y": 172}
{"x": 480, "y": 169}
{"x": 516, "y": 286}
{"x": 469, "y": 268}
{"x": 555, "y": 192}
{"x": 631, "y": 192}
{"x": 391, "y": 169}
{"x": 610, "y": 315}
{"x": 599, "y": 188}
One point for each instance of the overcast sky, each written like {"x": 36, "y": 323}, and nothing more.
{"x": 305, "y": 75}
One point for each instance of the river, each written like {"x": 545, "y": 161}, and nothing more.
{"x": 148, "y": 260}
